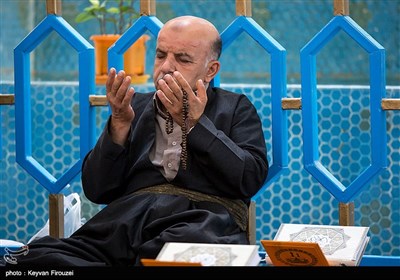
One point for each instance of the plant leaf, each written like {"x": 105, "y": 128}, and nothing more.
{"x": 95, "y": 3}
{"x": 82, "y": 17}
{"x": 113, "y": 10}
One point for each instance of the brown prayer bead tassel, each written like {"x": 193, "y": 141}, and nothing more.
{"x": 185, "y": 113}
{"x": 169, "y": 127}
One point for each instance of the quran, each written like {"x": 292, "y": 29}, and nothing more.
{"x": 151, "y": 262}
{"x": 209, "y": 254}
{"x": 309, "y": 245}
{"x": 292, "y": 253}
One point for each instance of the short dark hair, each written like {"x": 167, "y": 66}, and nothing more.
{"x": 217, "y": 48}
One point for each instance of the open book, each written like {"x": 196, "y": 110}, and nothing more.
{"x": 209, "y": 254}
{"x": 340, "y": 245}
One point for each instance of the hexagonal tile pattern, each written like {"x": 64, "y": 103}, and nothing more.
{"x": 294, "y": 198}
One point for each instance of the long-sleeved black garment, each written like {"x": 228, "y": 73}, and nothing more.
{"x": 227, "y": 157}
{"x": 226, "y": 153}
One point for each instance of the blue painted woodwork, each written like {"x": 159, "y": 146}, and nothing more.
{"x": 309, "y": 107}
{"x": 278, "y": 89}
{"x": 23, "y": 105}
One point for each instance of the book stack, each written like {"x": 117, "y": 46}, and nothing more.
{"x": 205, "y": 254}
{"x": 315, "y": 245}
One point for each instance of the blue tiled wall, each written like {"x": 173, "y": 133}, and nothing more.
{"x": 291, "y": 23}
{"x": 295, "y": 197}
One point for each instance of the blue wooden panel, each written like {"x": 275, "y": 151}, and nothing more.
{"x": 23, "y": 117}
{"x": 116, "y": 51}
{"x": 367, "y": 260}
{"x": 278, "y": 89}
{"x": 370, "y": 260}
{"x": 309, "y": 107}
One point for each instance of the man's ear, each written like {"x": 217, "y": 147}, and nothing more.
{"x": 213, "y": 68}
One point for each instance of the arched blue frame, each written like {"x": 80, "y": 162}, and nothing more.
{"x": 116, "y": 51}
{"x": 23, "y": 117}
{"x": 309, "y": 107}
{"x": 278, "y": 89}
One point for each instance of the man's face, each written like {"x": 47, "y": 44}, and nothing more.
{"x": 181, "y": 50}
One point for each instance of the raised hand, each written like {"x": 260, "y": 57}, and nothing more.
{"x": 170, "y": 92}
{"x": 119, "y": 95}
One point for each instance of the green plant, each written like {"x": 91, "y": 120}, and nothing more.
{"x": 119, "y": 13}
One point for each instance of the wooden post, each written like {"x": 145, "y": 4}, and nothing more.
{"x": 346, "y": 214}
{"x": 390, "y": 103}
{"x": 148, "y": 7}
{"x": 251, "y": 230}
{"x": 56, "y": 215}
{"x": 291, "y": 103}
{"x": 98, "y": 100}
{"x": 7, "y": 99}
{"x": 53, "y": 7}
{"x": 243, "y": 8}
{"x": 341, "y": 7}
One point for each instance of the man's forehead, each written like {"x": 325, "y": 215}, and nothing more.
{"x": 178, "y": 46}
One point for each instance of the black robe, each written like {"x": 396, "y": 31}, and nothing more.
{"x": 226, "y": 157}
